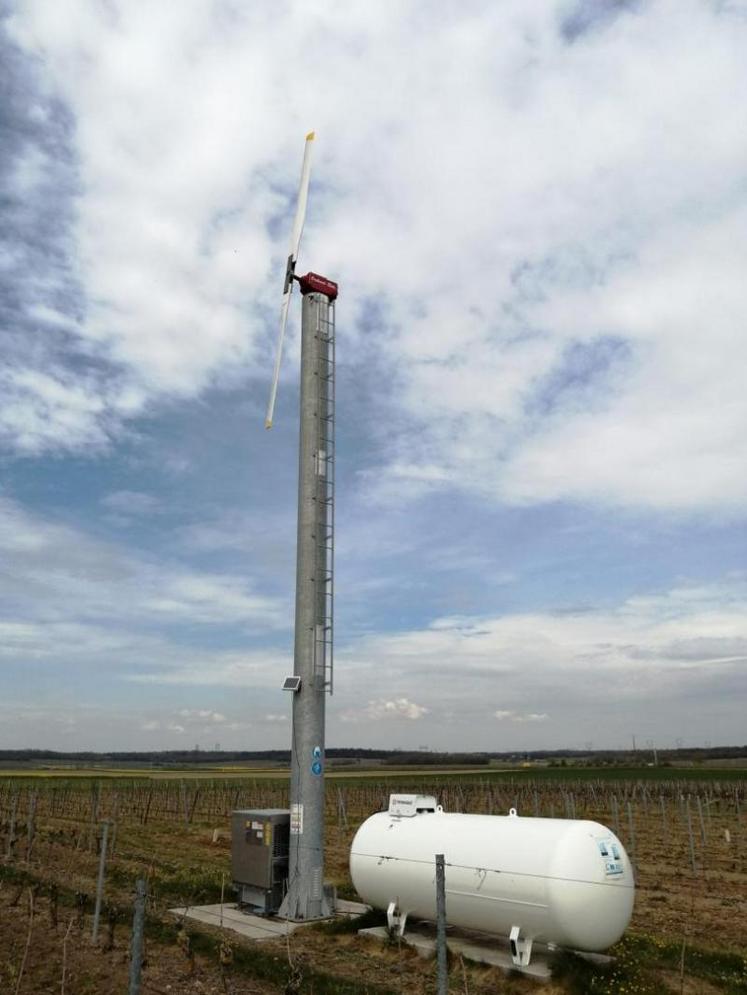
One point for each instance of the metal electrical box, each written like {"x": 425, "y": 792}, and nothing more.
{"x": 259, "y": 857}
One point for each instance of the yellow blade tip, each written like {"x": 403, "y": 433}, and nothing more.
{"x": 310, "y": 137}
{"x": 268, "y": 423}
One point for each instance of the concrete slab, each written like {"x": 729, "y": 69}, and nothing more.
{"x": 475, "y": 947}
{"x": 350, "y": 909}
{"x": 254, "y": 927}
{"x": 250, "y": 926}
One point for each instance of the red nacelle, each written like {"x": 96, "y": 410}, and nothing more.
{"x": 312, "y": 283}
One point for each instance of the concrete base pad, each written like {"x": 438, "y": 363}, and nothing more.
{"x": 421, "y": 936}
{"x": 249, "y": 926}
{"x": 254, "y": 927}
{"x": 350, "y": 909}
{"x": 482, "y": 948}
{"x": 477, "y": 947}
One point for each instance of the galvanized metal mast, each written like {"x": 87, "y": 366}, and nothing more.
{"x": 313, "y": 660}
{"x": 313, "y": 665}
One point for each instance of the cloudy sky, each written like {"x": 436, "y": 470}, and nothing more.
{"x": 537, "y": 214}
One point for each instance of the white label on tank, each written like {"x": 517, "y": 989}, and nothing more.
{"x": 613, "y": 867}
{"x": 296, "y": 820}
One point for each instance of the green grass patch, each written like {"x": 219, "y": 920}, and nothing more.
{"x": 722, "y": 969}
{"x": 636, "y": 961}
{"x": 625, "y": 974}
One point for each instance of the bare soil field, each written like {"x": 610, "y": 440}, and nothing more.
{"x": 686, "y": 836}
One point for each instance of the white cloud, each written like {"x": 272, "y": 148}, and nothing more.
{"x": 64, "y": 573}
{"x": 76, "y": 604}
{"x": 537, "y": 217}
{"x": 505, "y": 191}
{"x": 52, "y": 409}
{"x": 644, "y": 660}
{"x": 511, "y": 716}
{"x": 202, "y": 715}
{"x": 204, "y": 668}
{"x": 381, "y": 708}
{"x": 653, "y": 637}
{"x": 665, "y": 430}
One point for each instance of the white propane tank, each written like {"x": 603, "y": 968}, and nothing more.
{"x": 567, "y": 882}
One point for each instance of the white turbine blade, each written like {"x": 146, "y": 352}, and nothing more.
{"x": 303, "y": 196}
{"x": 298, "y": 221}
{"x": 278, "y": 357}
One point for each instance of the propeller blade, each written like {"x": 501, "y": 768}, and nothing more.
{"x": 278, "y": 358}
{"x": 303, "y": 196}
{"x": 295, "y": 241}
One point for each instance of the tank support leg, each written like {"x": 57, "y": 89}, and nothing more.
{"x": 395, "y": 919}
{"x": 521, "y": 949}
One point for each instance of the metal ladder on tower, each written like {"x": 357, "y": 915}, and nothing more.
{"x": 325, "y": 532}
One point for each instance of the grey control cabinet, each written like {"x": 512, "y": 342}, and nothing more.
{"x": 259, "y": 857}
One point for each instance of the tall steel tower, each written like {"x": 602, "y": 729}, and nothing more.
{"x": 312, "y": 676}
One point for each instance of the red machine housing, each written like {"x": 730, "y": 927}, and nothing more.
{"x": 312, "y": 283}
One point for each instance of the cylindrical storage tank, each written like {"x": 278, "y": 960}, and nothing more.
{"x": 567, "y": 882}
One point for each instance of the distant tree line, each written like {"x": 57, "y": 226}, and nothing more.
{"x": 358, "y": 755}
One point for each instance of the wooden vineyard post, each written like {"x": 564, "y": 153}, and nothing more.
{"x": 31, "y": 826}
{"x": 100, "y": 882}
{"x": 115, "y": 818}
{"x": 185, "y": 806}
{"x": 703, "y": 836}
{"x": 342, "y": 812}
{"x": 95, "y": 799}
{"x": 631, "y": 829}
{"x": 12, "y": 827}
{"x": 690, "y": 833}
{"x": 616, "y": 816}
